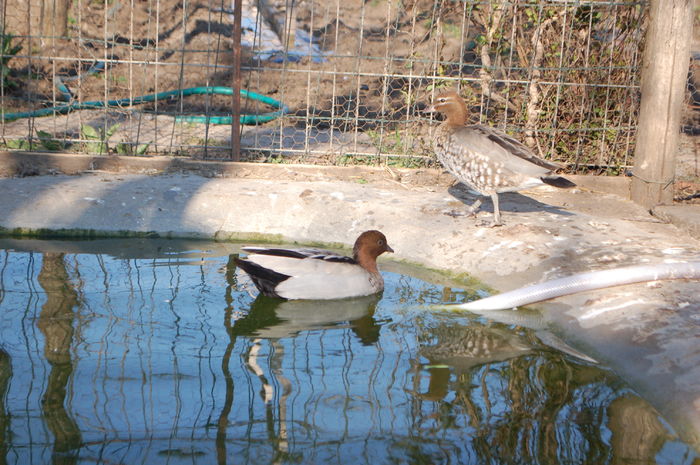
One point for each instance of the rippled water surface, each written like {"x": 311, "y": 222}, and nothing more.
{"x": 159, "y": 352}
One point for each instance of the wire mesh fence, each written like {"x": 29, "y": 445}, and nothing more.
{"x": 339, "y": 82}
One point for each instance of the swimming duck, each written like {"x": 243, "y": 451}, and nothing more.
{"x": 317, "y": 274}
{"x": 487, "y": 160}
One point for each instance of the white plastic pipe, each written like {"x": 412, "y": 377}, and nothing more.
{"x": 584, "y": 282}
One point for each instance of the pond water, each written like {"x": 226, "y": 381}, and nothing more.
{"x": 161, "y": 352}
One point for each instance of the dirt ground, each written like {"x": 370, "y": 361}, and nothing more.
{"x": 173, "y": 48}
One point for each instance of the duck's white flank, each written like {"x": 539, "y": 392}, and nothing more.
{"x": 315, "y": 278}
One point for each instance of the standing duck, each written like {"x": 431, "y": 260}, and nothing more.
{"x": 487, "y": 160}
{"x": 317, "y": 274}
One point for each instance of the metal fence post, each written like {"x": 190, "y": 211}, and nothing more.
{"x": 236, "y": 84}
{"x": 664, "y": 77}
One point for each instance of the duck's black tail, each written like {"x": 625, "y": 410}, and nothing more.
{"x": 557, "y": 181}
{"x": 265, "y": 279}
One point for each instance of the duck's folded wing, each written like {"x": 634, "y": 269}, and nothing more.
{"x": 290, "y": 253}
{"x": 317, "y": 254}
{"x": 503, "y": 148}
{"x": 297, "y": 266}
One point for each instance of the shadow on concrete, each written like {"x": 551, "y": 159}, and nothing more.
{"x": 82, "y": 211}
{"x": 509, "y": 201}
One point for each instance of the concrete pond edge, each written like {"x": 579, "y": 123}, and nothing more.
{"x": 645, "y": 332}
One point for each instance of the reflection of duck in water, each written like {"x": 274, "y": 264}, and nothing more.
{"x": 268, "y": 323}
{"x": 274, "y": 319}
{"x": 455, "y": 348}
{"x": 464, "y": 347}
{"x": 317, "y": 274}
{"x": 460, "y": 348}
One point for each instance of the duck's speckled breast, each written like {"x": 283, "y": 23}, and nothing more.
{"x": 477, "y": 170}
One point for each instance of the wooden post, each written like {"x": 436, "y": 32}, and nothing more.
{"x": 664, "y": 79}
{"x": 236, "y": 83}
{"x": 40, "y": 19}
{"x": 55, "y": 19}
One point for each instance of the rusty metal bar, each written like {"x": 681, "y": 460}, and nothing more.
{"x": 236, "y": 83}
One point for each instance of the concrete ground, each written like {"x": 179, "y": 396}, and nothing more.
{"x": 648, "y": 333}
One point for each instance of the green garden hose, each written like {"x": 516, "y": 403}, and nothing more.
{"x": 126, "y": 102}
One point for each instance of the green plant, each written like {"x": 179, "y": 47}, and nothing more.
{"x": 7, "y": 52}
{"x": 407, "y": 162}
{"x": 347, "y": 159}
{"x": 98, "y": 138}
{"x": 49, "y": 143}
{"x": 18, "y": 144}
{"x": 392, "y": 142}
{"x": 275, "y": 159}
{"x": 46, "y": 142}
{"x": 125, "y": 148}
{"x": 452, "y": 30}
{"x": 438, "y": 84}
{"x": 409, "y": 99}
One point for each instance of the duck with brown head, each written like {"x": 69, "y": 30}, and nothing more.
{"x": 317, "y": 274}
{"x": 487, "y": 160}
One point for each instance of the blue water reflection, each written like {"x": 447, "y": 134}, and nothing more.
{"x": 169, "y": 358}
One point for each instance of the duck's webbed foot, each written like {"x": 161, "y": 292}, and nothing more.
{"x": 488, "y": 224}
